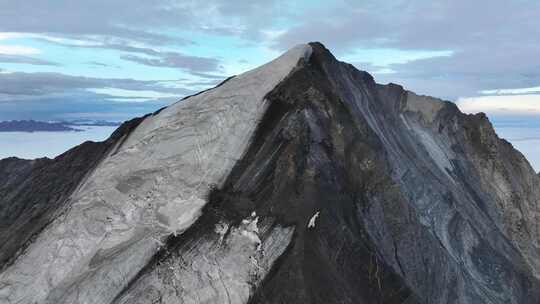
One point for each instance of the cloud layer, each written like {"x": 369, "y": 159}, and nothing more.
{"x": 509, "y": 105}
{"x": 449, "y": 49}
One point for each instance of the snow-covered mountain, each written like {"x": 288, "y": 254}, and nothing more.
{"x": 302, "y": 181}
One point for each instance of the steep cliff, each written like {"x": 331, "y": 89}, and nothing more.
{"x": 302, "y": 181}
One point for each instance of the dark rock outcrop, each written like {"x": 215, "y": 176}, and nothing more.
{"x": 347, "y": 191}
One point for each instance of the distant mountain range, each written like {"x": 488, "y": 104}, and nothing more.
{"x": 44, "y": 126}
{"x": 86, "y": 122}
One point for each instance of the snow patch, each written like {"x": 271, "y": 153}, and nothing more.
{"x": 250, "y": 229}
{"x": 312, "y": 220}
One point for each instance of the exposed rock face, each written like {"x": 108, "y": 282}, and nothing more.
{"x": 302, "y": 181}
{"x": 34, "y": 192}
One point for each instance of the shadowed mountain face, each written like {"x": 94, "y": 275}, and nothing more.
{"x": 302, "y": 181}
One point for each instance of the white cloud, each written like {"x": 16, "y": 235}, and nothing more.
{"x": 501, "y": 105}
{"x": 273, "y": 34}
{"x": 511, "y": 91}
{"x": 90, "y": 41}
{"x": 66, "y": 41}
{"x": 132, "y": 96}
{"x": 18, "y": 50}
{"x": 9, "y": 35}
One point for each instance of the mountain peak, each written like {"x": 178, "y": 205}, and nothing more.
{"x": 301, "y": 181}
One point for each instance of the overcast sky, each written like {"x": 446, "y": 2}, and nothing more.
{"x": 62, "y": 59}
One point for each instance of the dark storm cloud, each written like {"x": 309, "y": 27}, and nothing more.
{"x": 25, "y": 60}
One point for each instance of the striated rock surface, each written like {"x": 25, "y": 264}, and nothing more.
{"x": 34, "y": 192}
{"x": 302, "y": 181}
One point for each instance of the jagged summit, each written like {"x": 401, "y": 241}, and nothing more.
{"x": 301, "y": 181}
